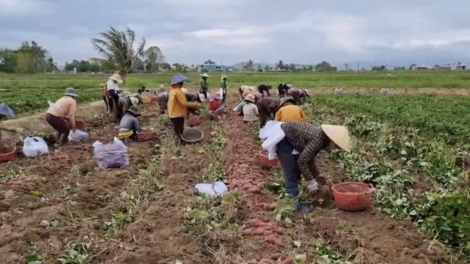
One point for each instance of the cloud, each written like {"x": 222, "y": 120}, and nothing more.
{"x": 261, "y": 30}
{"x": 15, "y": 8}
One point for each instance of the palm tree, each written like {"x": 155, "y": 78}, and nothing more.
{"x": 119, "y": 48}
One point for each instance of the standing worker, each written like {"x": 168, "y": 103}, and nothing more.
{"x": 288, "y": 111}
{"x": 224, "y": 86}
{"x": 178, "y": 105}
{"x": 204, "y": 86}
{"x": 60, "y": 111}
{"x": 112, "y": 88}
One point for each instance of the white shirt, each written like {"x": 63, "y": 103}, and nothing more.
{"x": 111, "y": 85}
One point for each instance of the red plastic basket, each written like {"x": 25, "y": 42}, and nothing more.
{"x": 353, "y": 196}
{"x": 143, "y": 136}
{"x": 265, "y": 162}
{"x": 7, "y": 151}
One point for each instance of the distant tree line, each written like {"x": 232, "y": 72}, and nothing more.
{"x": 29, "y": 57}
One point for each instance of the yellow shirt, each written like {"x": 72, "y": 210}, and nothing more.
{"x": 177, "y": 103}
{"x": 290, "y": 113}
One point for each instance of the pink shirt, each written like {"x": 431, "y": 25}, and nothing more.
{"x": 66, "y": 106}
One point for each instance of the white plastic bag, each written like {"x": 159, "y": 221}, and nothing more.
{"x": 217, "y": 188}
{"x": 78, "y": 135}
{"x": 111, "y": 156}
{"x": 34, "y": 146}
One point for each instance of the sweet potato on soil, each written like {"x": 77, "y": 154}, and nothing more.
{"x": 280, "y": 230}
{"x": 260, "y": 231}
{"x": 276, "y": 256}
{"x": 248, "y": 231}
{"x": 273, "y": 239}
{"x": 288, "y": 260}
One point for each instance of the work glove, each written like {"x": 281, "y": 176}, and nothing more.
{"x": 312, "y": 185}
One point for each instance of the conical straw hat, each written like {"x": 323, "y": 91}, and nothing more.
{"x": 339, "y": 135}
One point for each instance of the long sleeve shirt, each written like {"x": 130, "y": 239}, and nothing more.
{"x": 66, "y": 107}
{"x": 290, "y": 113}
{"x": 309, "y": 140}
{"x": 204, "y": 85}
{"x": 111, "y": 85}
{"x": 223, "y": 85}
{"x": 177, "y": 103}
{"x": 129, "y": 122}
{"x": 266, "y": 109}
{"x": 250, "y": 112}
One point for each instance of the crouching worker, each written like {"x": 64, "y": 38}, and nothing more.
{"x": 5, "y": 111}
{"x": 60, "y": 112}
{"x": 162, "y": 100}
{"x": 296, "y": 145}
{"x": 129, "y": 125}
{"x": 250, "y": 110}
{"x": 288, "y": 111}
{"x": 178, "y": 105}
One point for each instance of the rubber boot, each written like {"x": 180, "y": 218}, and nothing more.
{"x": 303, "y": 208}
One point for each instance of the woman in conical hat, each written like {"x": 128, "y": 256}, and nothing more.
{"x": 298, "y": 149}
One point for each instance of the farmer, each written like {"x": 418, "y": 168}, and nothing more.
{"x": 178, "y": 105}
{"x": 288, "y": 111}
{"x": 112, "y": 88}
{"x": 250, "y": 110}
{"x": 297, "y": 150}
{"x": 129, "y": 125}
{"x": 247, "y": 91}
{"x": 60, "y": 111}
{"x": 303, "y": 96}
{"x": 162, "y": 100}
{"x": 5, "y": 111}
{"x": 281, "y": 89}
{"x": 215, "y": 102}
{"x": 264, "y": 88}
{"x": 204, "y": 86}
{"x": 126, "y": 100}
{"x": 243, "y": 89}
{"x": 295, "y": 94}
{"x": 191, "y": 97}
{"x": 267, "y": 109}
{"x": 224, "y": 86}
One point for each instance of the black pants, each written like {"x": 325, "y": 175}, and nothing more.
{"x": 262, "y": 90}
{"x": 178, "y": 127}
{"x": 59, "y": 125}
{"x": 114, "y": 96}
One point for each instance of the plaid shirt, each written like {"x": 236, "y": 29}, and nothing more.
{"x": 267, "y": 109}
{"x": 250, "y": 112}
{"x": 308, "y": 140}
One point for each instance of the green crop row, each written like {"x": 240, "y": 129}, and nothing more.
{"x": 400, "y": 79}
{"x": 442, "y": 117}
{"x": 395, "y": 159}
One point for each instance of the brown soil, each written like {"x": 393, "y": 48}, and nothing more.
{"x": 51, "y": 201}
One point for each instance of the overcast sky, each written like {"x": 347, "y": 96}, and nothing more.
{"x": 231, "y": 31}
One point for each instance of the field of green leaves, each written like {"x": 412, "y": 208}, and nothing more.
{"x": 414, "y": 149}
{"x": 27, "y": 93}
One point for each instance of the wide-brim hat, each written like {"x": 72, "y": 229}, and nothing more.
{"x": 70, "y": 92}
{"x": 134, "y": 101}
{"x": 223, "y": 77}
{"x": 250, "y": 98}
{"x": 178, "y": 78}
{"x": 339, "y": 135}
{"x": 205, "y": 75}
{"x": 133, "y": 110}
{"x": 116, "y": 77}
